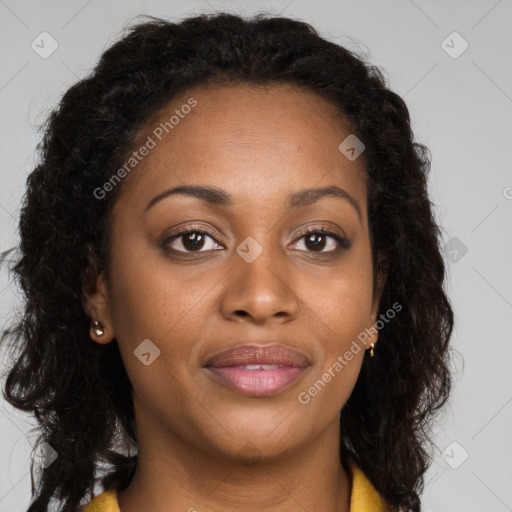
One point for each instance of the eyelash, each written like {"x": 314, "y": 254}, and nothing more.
{"x": 343, "y": 243}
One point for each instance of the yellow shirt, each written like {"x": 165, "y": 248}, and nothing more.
{"x": 364, "y": 497}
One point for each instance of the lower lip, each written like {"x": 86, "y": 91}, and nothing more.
{"x": 256, "y": 382}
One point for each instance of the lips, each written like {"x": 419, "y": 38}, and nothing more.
{"x": 254, "y": 354}
{"x": 255, "y": 370}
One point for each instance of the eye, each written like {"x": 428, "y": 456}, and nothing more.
{"x": 192, "y": 239}
{"x": 315, "y": 240}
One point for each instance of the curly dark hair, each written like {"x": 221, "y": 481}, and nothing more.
{"x": 78, "y": 390}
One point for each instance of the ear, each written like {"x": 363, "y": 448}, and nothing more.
{"x": 381, "y": 279}
{"x": 97, "y": 305}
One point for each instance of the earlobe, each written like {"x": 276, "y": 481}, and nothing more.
{"x": 96, "y": 305}
{"x": 374, "y": 333}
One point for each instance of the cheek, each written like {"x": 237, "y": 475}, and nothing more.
{"x": 340, "y": 302}
{"x": 340, "y": 351}
{"x": 339, "y": 312}
{"x": 150, "y": 303}
{"x": 157, "y": 301}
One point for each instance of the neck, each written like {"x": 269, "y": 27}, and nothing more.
{"x": 172, "y": 471}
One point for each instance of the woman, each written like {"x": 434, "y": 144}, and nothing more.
{"x": 231, "y": 268}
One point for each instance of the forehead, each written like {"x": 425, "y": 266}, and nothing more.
{"x": 253, "y": 140}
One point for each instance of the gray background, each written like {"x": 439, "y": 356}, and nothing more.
{"x": 461, "y": 109}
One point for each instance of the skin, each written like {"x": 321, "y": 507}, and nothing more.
{"x": 202, "y": 446}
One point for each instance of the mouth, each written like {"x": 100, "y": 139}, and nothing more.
{"x": 258, "y": 371}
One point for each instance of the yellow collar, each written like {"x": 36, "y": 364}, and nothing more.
{"x": 364, "y": 497}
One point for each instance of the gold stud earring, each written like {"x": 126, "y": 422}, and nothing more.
{"x": 98, "y": 328}
{"x": 371, "y": 351}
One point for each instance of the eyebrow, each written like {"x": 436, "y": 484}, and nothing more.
{"x": 218, "y": 197}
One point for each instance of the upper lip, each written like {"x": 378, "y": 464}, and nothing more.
{"x": 258, "y": 354}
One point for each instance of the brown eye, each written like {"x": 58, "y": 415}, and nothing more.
{"x": 318, "y": 239}
{"x": 191, "y": 240}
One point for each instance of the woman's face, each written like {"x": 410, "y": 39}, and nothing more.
{"x": 252, "y": 277}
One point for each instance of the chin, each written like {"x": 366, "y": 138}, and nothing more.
{"x": 253, "y": 437}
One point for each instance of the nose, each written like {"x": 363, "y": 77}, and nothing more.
{"x": 259, "y": 286}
